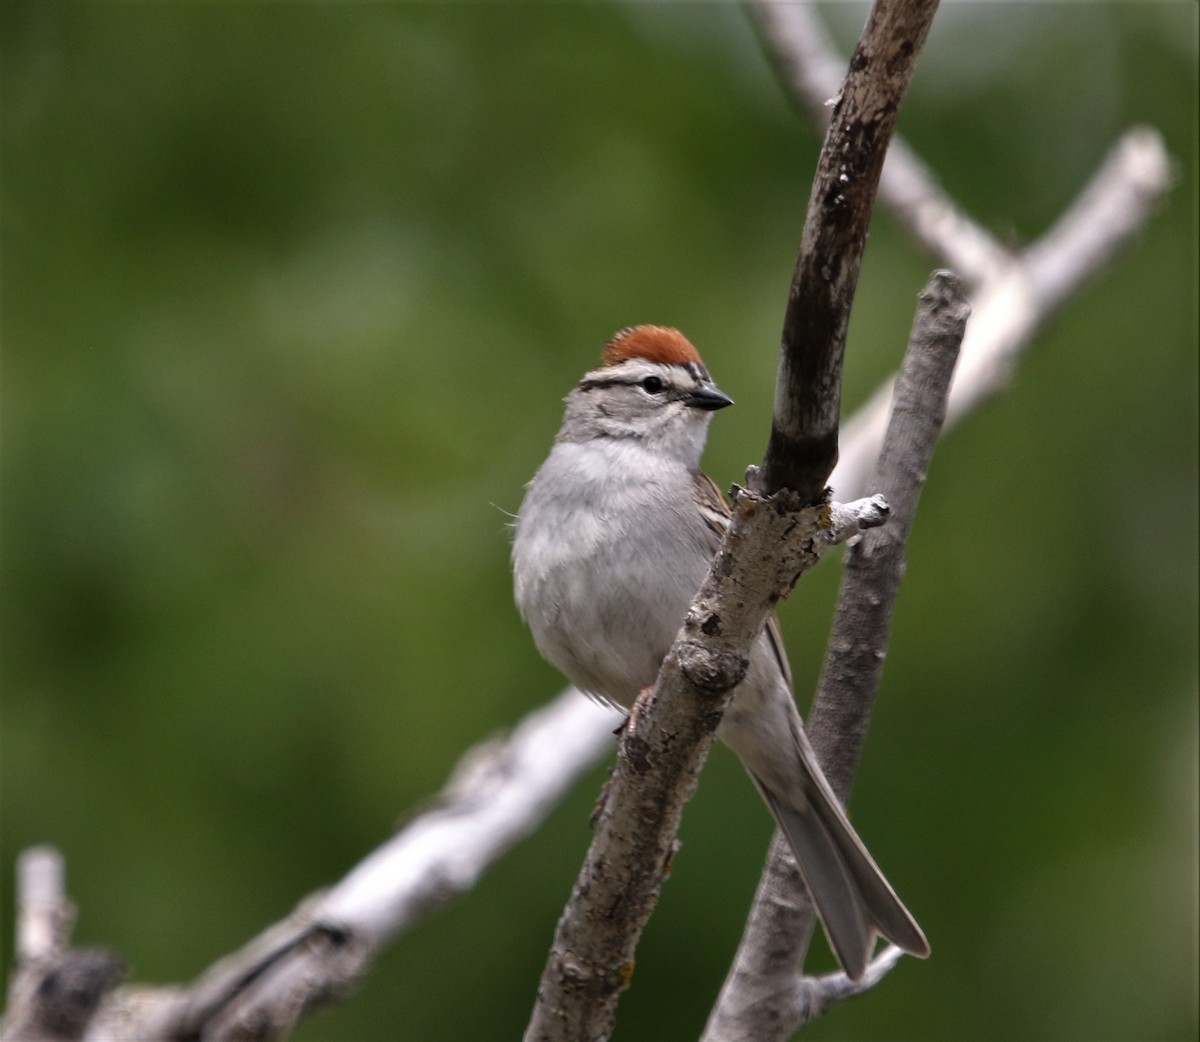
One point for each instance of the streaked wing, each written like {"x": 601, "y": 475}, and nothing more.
{"x": 775, "y": 639}
{"x": 713, "y": 507}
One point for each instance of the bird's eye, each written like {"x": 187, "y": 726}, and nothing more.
{"x": 652, "y": 384}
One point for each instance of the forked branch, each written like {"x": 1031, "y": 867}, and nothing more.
{"x": 444, "y": 850}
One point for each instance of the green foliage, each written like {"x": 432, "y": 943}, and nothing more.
{"x": 291, "y": 294}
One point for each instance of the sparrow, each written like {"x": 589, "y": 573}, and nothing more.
{"x": 613, "y": 538}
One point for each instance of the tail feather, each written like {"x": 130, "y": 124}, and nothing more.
{"x": 853, "y": 899}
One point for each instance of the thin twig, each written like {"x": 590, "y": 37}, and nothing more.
{"x": 44, "y": 915}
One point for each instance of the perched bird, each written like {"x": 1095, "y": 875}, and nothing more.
{"x": 613, "y": 539}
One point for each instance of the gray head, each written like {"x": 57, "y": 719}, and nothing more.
{"x": 652, "y": 387}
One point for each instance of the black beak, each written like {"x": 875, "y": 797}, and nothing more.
{"x": 708, "y": 398}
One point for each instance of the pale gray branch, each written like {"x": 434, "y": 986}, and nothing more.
{"x": 44, "y": 915}
{"x": 820, "y": 994}
{"x": 54, "y": 991}
{"x": 765, "y": 997}
{"x": 1014, "y": 303}
{"x": 500, "y": 791}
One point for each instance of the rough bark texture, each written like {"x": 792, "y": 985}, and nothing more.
{"x": 765, "y": 997}
{"x": 771, "y": 541}
{"x": 874, "y": 564}
{"x": 54, "y": 991}
{"x": 503, "y": 789}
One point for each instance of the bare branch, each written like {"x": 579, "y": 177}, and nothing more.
{"x": 54, "y": 991}
{"x": 44, "y": 915}
{"x": 1111, "y": 209}
{"x": 810, "y": 69}
{"x": 874, "y": 565}
{"x": 821, "y": 994}
{"x": 802, "y": 448}
{"x": 443, "y": 851}
{"x": 663, "y": 748}
{"x": 1010, "y": 307}
{"x": 764, "y": 996}
{"x": 499, "y": 792}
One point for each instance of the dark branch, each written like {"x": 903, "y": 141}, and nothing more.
{"x": 802, "y": 449}
{"x": 810, "y": 69}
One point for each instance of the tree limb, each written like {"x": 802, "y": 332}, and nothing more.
{"x": 765, "y": 997}
{"x": 802, "y": 449}
{"x": 499, "y": 792}
{"x": 1016, "y": 300}
{"x": 54, "y": 991}
{"x": 563, "y": 739}
{"x": 811, "y": 70}
{"x": 874, "y": 565}
{"x": 771, "y": 541}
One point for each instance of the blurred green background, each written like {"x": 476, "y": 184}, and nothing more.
{"x": 290, "y": 298}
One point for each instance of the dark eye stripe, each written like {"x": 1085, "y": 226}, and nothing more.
{"x": 652, "y": 384}
{"x": 606, "y": 381}
{"x": 623, "y": 381}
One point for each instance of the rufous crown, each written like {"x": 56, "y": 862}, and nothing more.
{"x": 653, "y": 343}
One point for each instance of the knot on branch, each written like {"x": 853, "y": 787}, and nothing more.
{"x": 712, "y": 671}
{"x": 784, "y": 499}
{"x": 636, "y": 751}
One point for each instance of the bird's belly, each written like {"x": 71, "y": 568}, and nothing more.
{"x": 611, "y": 635}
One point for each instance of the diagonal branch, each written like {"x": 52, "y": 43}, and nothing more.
{"x": 412, "y": 875}
{"x": 1015, "y": 301}
{"x": 500, "y": 791}
{"x": 769, "y": 544}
